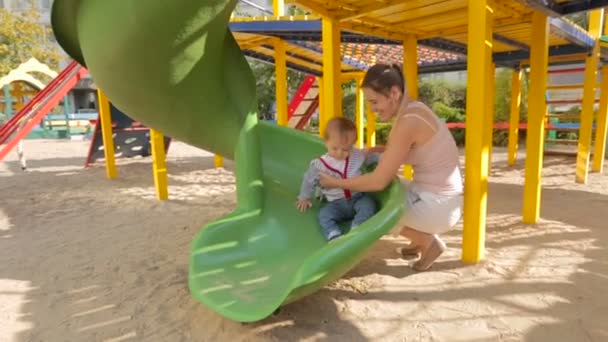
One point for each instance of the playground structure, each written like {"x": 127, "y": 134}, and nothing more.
{"x": 18, "y": 85}
{"x": 129, "y": 138}
{"x": 21, "y": 124}
{"x": 565, "y": 93}
{"x": 22, "y": 84}
{"x": 234, "y": 265}
{"x": 123, "y": 136}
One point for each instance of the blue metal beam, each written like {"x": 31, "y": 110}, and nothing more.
{"x": 295, "y": 55}
{"x": 582, "y": 6}
{"x": 270, "y": 59}
{"x": 555, "y": 9}
{"x": 310, "y": 30}
{"x": 445, "y": 45}
{"x": 512, "y": 42}
{"x": 520, "y": 55}
{"x": 571, "y": 32}
{"x": 276, "y": 26}
{"x": 549, "y": 7}
{"x": 302, "y": 30}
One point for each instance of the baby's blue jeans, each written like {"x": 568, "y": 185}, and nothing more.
{"x": 358, "y": 208}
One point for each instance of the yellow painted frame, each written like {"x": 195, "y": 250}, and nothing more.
{"x": 359, "y": 113}
{"x": 476, "y": 170}
{"x": 586, "y": 128}
{"x": 599, "y": 151}
{"x": 105, "y": 120}
{"x": 537, "y": 109}
{"x": 410, "y": 71}
{"x": 280, "y": 65}
{"x": 332, "y": 85}
{"x": 371, "y": 127}
{"x": 514, "y": 116}
{"x": 159, "y": 166}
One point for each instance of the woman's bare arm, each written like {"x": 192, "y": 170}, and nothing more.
{"x": 400, "y": 140}
{"x": 376, "y": 149}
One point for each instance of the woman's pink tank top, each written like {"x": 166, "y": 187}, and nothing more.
{"x": 436, "y": 163}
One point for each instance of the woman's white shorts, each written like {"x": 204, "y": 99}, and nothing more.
{"x": 429, "y": 212}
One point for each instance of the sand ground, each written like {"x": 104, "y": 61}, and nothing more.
{"x": 87, "y": 259}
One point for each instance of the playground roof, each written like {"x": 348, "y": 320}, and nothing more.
{"x": 394, "y": 19}
{"x": 306, "y": 56}
{"x": 298, "y": 57}
{"x": 440, "y": 25}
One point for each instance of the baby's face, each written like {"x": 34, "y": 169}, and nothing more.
{"x": 339, "y": 146}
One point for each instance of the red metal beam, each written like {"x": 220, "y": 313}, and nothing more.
{"x": 566, "y": 71}
{"x": 505, "y": 126}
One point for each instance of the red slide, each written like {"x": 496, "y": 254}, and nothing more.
{"x": 304, "y": 103}
{"x": 22, "y": 123}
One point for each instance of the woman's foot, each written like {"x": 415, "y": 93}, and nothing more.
{"x": 434, "y": 250}
{"x": 409, "y": 252}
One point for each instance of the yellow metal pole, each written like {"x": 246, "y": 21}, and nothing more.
{"x": 476, "y": 170}
{"x": 410, "y": 61}
{"x": 321, "y": 106}
{"x": 584, "y": 135}
{"x": 278, "y": 7}
{"x": 18, "y": 95}
{"x": 489, "y": 119}
{"x": 159, "y": 166}
{"x": 359, "y": 111}
{"x": 280, "y": 65}
{"x": 371, "y": 127}
{"x": 218, "y": 161}
{"x": 105, "y": 120}
{"x": 514, "y": 117}
{"x": 537, "y": 109}
{"x": 332, "y": 87}
{"x": 599, "y": 152}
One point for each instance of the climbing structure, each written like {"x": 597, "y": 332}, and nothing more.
{"x": 431, "y": 36}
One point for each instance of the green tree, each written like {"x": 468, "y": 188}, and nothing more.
{"x": 23, "y": 36}
{"x": 265, "y": 83}
{"x": 349, "y": 98}
{"x": 502, "y": 104}
{"x": 580, "y": 19}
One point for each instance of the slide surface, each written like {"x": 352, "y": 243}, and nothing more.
{"x": 174, "y": 66}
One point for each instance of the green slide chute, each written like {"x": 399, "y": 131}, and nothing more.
{"x": 175, "y": 66}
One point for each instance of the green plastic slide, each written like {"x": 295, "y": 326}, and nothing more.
{"x": 174, "y": 66}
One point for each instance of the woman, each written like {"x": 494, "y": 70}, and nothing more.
{"x": 419, "y": 138}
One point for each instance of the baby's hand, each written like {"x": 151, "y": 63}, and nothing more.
{"x": 303, "y": 205}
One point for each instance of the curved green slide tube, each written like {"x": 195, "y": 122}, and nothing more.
{"x": 175, "y": 66}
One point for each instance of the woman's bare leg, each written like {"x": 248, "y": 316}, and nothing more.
{"x": 430, "y": 247}
{"x": 417, "y": 238}
{"x": 414, "y": 248}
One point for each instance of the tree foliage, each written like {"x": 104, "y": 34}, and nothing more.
{"x": 448, "y": 101}
{"x": 265, "y": 83}
{"x": 23, "y": 36}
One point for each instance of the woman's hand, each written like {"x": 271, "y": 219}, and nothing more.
{"x": 329, "y": 181}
